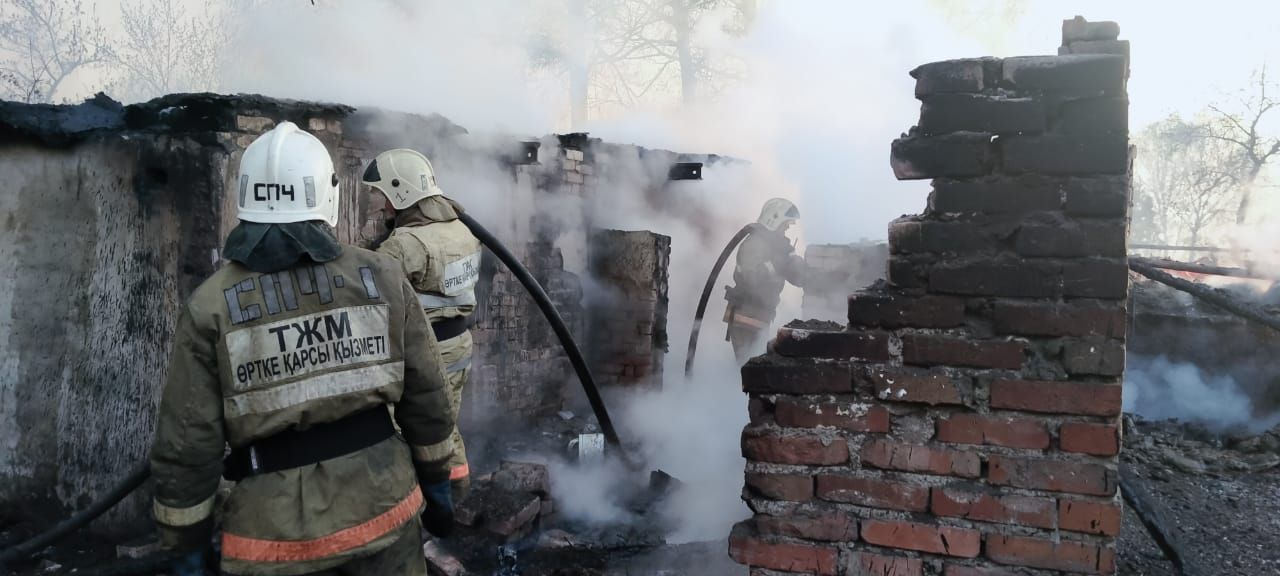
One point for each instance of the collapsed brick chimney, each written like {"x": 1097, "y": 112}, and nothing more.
{"x": 966, "y": 421}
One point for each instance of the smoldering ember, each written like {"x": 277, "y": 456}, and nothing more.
{"x": 1060, "y": 361}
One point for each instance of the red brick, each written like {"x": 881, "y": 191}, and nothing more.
{"x": 1096, "y": 279}
{"x": 1104, "y": 358}
{"x": 773, "y": 375}
{"x": 1068, "y": 241}
{"x": 1039, "y": 319}
{"x": 790, "y": 487}
{"x": 759, "y": 410}
{"x": 933, "y": 350}
{"x": 959, "y": 155}
{"x": 1054, "y": 475}
{"x": 825, "y": 527}
{"x": 1009, "y": 509}
{"x": 1097, "y": 197}
{"x": 960, "y": 542}
{"x": 943, "y": 113}
{"x": 1013, "y": 279}
{"x": 746, "y": 548}
{"x": 1057, "y": 397}
{"x": 1096, "y": 439}
{"x": 1049, "y": 555}
{"x": 960, "y": 570}
{"x": 803, "y": 343}
{"x": 873, "y": 492}
{"x": 1065, "y": 154}
{"x": 794, "y": 449}
{"x": 1089, "y": 517}
{"x": 854, "y": 416}
{"x": 996, "y": 195}
{"x": 995, "y": 431}
{"x": 885, "y": 310}
{"x": 933, "y": 389}
{"x": 910, "y": 271}
{"x": 912, "y": 458}
{"x": 879, "y": 565}
{"x": 911, "y": 235}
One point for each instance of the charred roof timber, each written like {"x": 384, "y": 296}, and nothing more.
{"x": 685, "y": 171}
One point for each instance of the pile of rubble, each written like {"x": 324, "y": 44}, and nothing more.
{"x": 1168, "y": 448}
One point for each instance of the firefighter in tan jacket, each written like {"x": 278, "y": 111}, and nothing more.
{"x": 292, "y": 354}
{"x": 442, "y": 260}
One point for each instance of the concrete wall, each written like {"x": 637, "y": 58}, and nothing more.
{"x": 101, "y": 243}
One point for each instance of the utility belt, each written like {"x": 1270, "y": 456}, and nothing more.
{"x": 447, "y": 328}
{"x": 296, "y": 448}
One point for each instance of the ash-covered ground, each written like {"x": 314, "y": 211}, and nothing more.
{"x": 1218, "y": 495}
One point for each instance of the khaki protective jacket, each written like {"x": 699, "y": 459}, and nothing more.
{"x": 256, "y": 354}
{"x": 439, "y": 255}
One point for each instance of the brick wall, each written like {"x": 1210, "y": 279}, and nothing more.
{"x": 628, "y": 312}
{"x": 966, "y": 421}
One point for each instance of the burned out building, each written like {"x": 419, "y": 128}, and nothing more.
{"x": 114, "y": 214}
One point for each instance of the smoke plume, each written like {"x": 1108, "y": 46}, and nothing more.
{"x": 1158, "y": 389}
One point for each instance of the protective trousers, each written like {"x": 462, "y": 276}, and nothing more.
{"x": 456, "y": 354}
{"x": 747, "y": 342}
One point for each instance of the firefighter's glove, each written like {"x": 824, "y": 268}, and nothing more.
{"x": 437, "y": 518}
{"x": 189, "y": 564}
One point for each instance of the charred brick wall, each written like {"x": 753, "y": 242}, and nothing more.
{"x": 966, "y": 421}
{"x": 628, "y": 311}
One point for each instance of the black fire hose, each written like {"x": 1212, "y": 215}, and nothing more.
{"x": 557, "y": 324}
{"x": 706, "y": 292}
{"x": 80, "y": 519}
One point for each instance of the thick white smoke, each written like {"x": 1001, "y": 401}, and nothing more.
{"x": 1158, "y": 389}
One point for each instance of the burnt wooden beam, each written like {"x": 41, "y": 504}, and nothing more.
{"x": 1166, "y": 264}
{"x": 1208, "y": 294}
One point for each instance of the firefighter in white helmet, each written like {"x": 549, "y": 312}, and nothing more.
{"x": 292, "y": 354}
{"x": 766, "y": 262}
{"x": 442, "y": 260}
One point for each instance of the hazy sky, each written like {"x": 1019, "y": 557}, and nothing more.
{"x": 826, "y": 88}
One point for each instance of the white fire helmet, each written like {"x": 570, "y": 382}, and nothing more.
{"x": 404, "y": 176}
{"x": 776, "y": 212}
{"x": 286, "y": 175}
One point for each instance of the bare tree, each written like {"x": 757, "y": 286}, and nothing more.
{"x": 1241, "y": 129}
{"x": 1185, "y": 182}
{"x": 43, "y": 43}
{"x": 619, "y": 53}
{"x": 165, "y": 49}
